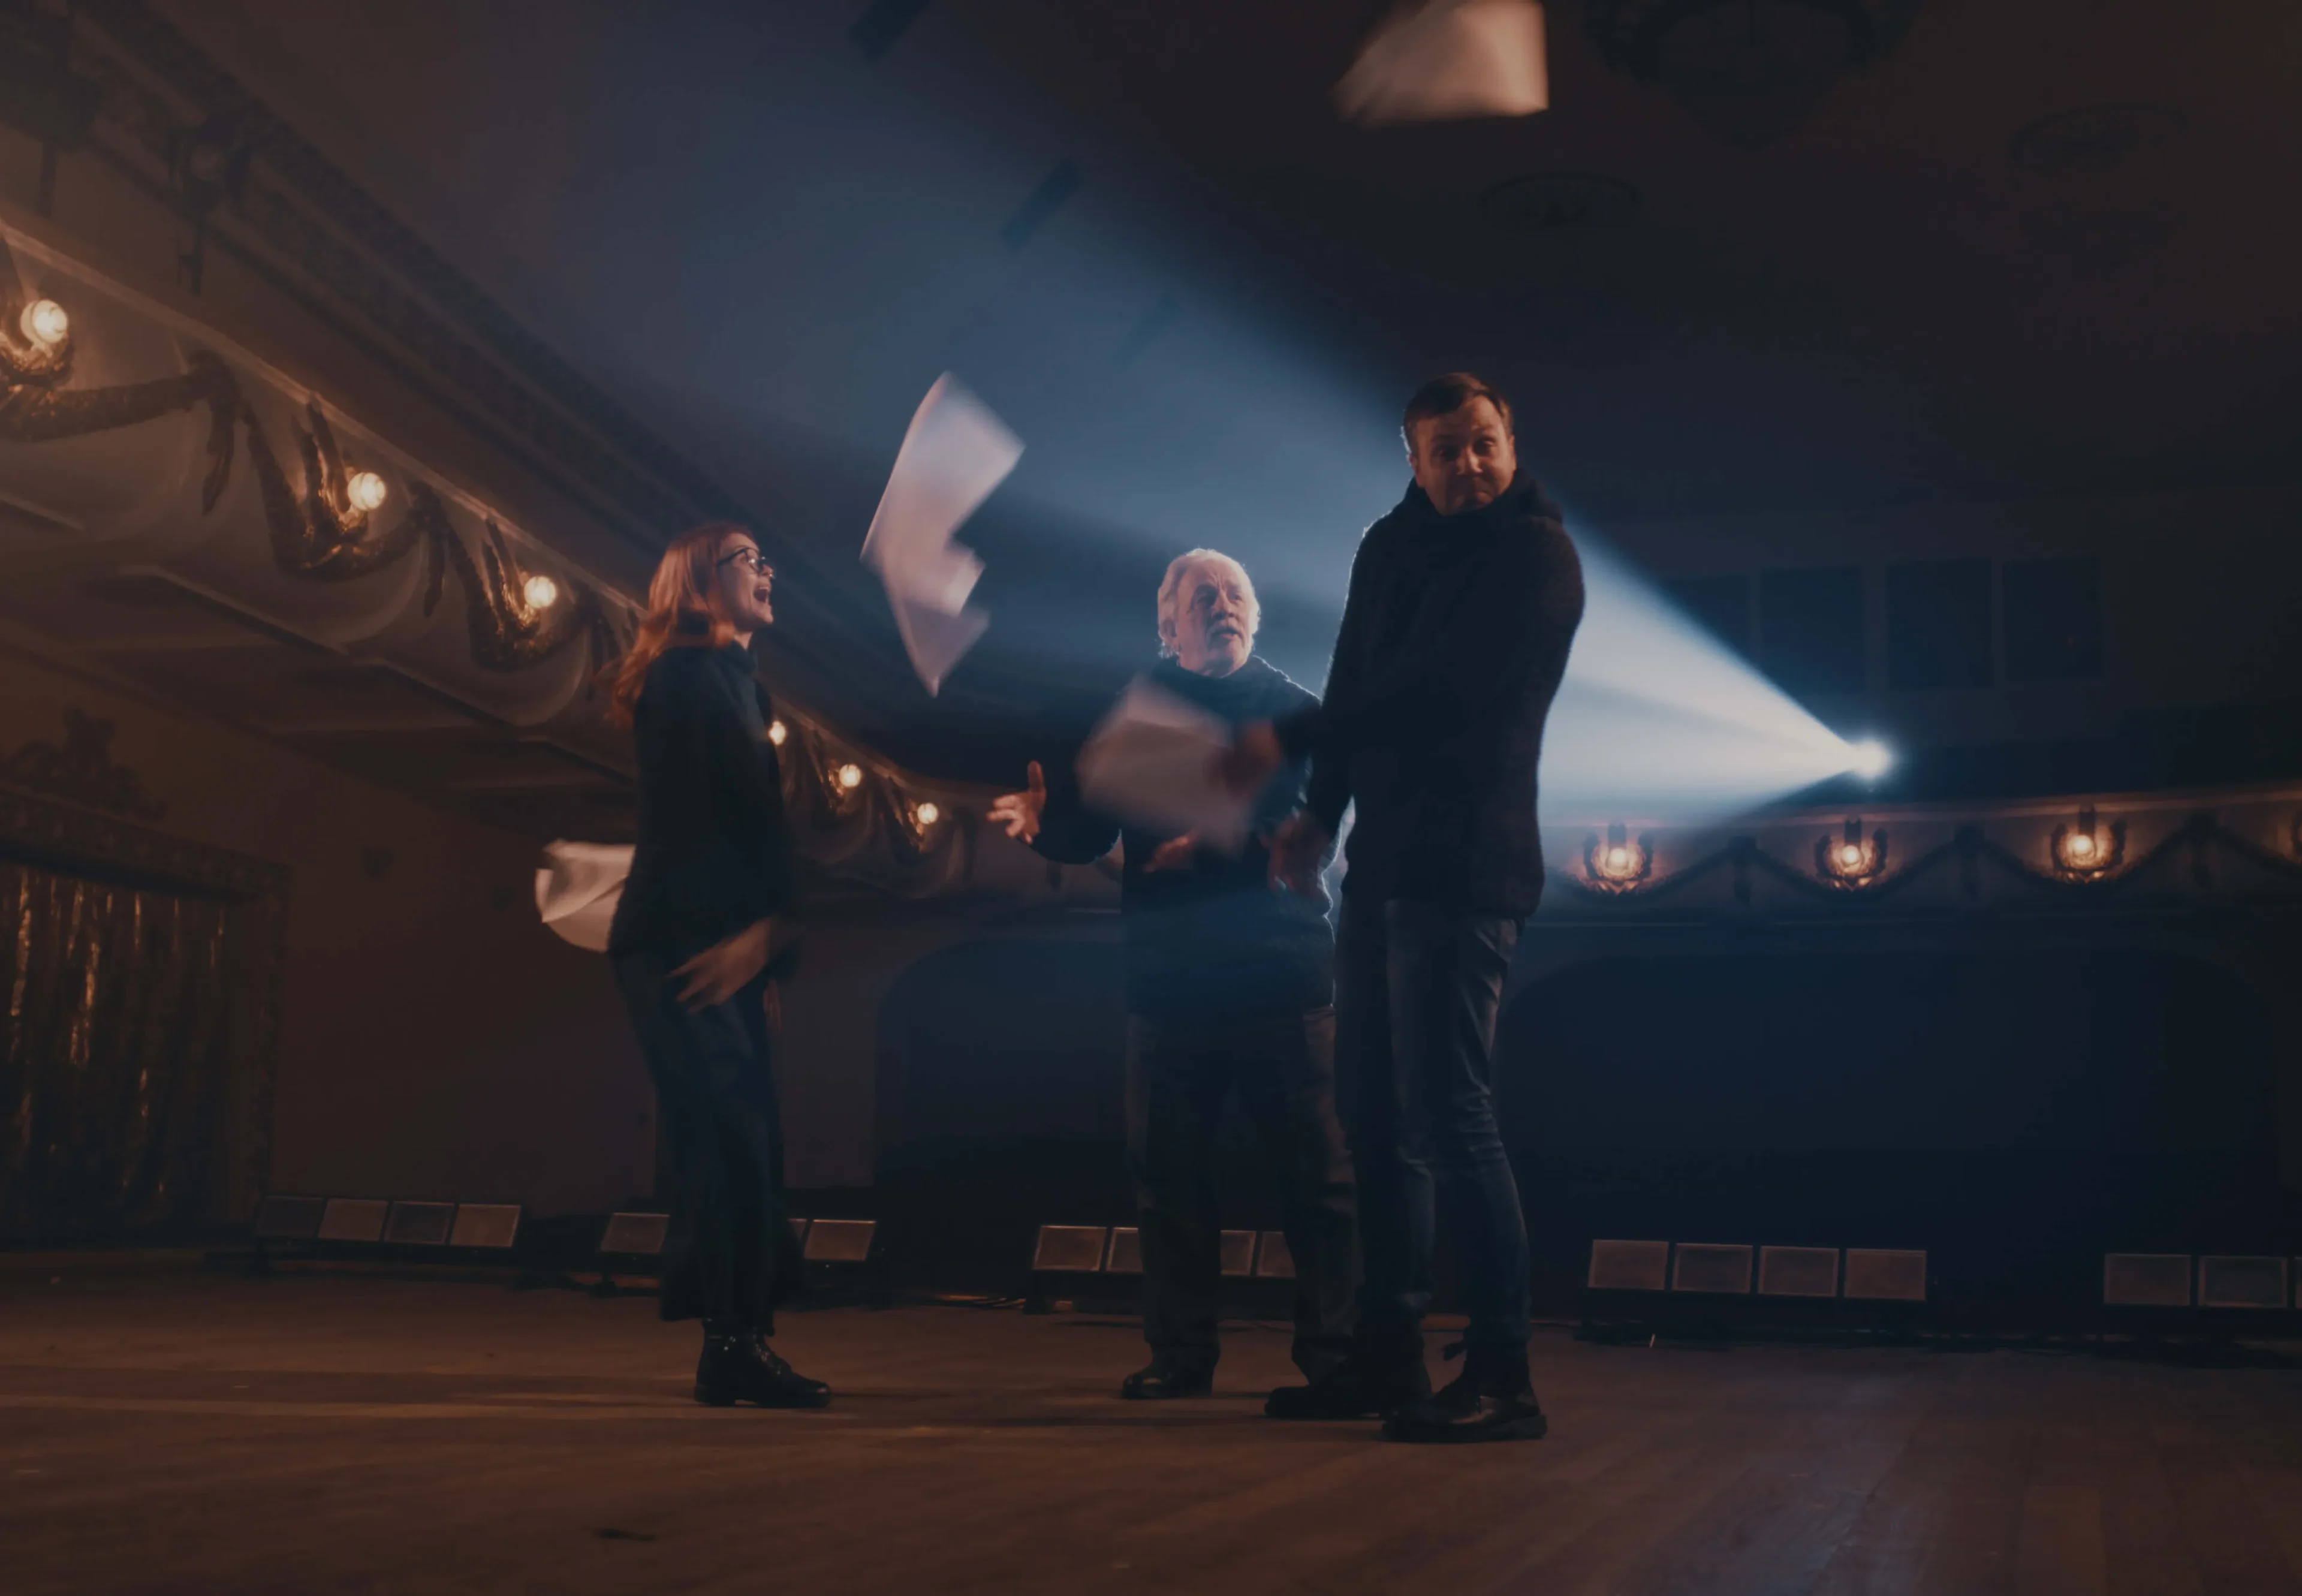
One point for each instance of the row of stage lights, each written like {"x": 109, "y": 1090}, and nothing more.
{"x": 46, "y": 325}
{"x": 2088, "y": 851}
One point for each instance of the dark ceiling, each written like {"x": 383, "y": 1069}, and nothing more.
{"x": 2036, "y": 248}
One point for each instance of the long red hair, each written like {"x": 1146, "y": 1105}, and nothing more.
{"x": 683, "y": 610}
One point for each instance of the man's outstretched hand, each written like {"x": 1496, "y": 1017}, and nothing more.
{"x": 1298, "y": 853}
{"x": 1020, "y": 813}
{"x": 1252, "y": 760}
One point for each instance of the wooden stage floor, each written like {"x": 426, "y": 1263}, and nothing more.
{"x": 176, "y": 1430}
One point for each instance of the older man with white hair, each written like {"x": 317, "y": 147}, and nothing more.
{"x": 1230, "y": 987}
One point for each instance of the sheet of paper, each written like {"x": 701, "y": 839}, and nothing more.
{"x": 954, "y": 453}
{"x": 577, "y": 890}
{"x": 1151, "y": 763}
{"x": 1449, "y": 60}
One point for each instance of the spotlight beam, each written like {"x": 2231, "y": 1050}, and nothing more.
{"x": 1658, "y": 718}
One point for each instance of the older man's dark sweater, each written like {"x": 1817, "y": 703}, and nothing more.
{"x": 1216, "y": 936}
{"x": 1454, "y": 639}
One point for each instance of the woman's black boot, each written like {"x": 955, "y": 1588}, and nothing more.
{"x": 739, "y": 1366}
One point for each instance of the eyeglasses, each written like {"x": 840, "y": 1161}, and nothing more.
{"x": 751, "y": 560}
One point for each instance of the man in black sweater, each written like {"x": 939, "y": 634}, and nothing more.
{"x": 1463, "y": 604}
{"x": 1230, "y": 986}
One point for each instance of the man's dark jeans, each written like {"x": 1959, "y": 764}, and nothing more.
{"x": 1417, "y": 990}
{"x": 1282, "y": 1065}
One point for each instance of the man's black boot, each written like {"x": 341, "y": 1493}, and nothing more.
{"x": 1167, "y": 1376}
{"x": 1377, "y": 1375}
{"x": 1492, "y": 1400}
{"x": 740, "y": 1366}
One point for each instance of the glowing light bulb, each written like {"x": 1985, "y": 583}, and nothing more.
{"x": 44, "y": 322}
{"x": 2082, "y": 846}
{"x": 366, "y": 491}
{"x": 543, "y": 593}
{"x": 777, "y": 733}
{"x": 851, "y": 777}
{"x": 928, "y": 814}
{"x": 1850, "y": 856}
{"x": 1618, "y": 859}
{"x": 1871, "y": 760}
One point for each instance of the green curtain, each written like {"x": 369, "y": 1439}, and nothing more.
{"x": 116, "y": 1061}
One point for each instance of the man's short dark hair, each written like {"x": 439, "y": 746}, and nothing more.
{"x": 1445, "y": 395}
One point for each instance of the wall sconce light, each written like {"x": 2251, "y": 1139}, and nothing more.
{"x": 46, "y": 323}
{"x": 1620, "y": 865}
{"x": 851, "y": 777}
{"x": 1848, "y": 861}
{"x": 2087, "y": 852}
{"x": 366, "y": 491}
{"x": 542, "y": 593}
{"x": 778, "y": 731}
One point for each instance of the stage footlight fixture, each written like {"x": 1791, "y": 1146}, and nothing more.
{"x": 492, "y": 1227}
{"x": 778, "y": 731}
{"x": 839, "y": 1241}
{"x": 1237, "y": 1253}
{"x": 2241, "y": 1282}
{"x": 1872, "y": 759}
{"x": 1274, "y": 1260}
{"x": 354, "y": 1219}
{"x": 1886, "y": 1274}
{"x": 45, "y": 323}
{"x": 1125, "y": 1255}
{"x": 1068, "y": 1249}
{"x": 1630, "y": 1266}
{"x": 1798, "y": 1271}
{"x": 2145, "y": 1280}
{"x": 635, "y": 1235}
{"x": 1711, "y": 1267}
{"x": 366, "y": 491}
{"x": 420, "y": 1224}
{"x": 851, "y": 777}
{"x": 289, "y": 1218}
{"x": 541, "y": 592}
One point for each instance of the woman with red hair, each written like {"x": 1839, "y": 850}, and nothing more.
{"x": 704, "y": 931}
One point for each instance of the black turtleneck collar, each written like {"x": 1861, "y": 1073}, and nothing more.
{"x": 1524, "y": 498}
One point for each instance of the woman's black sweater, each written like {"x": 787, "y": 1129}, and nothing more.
{"x": 714, "y": 854}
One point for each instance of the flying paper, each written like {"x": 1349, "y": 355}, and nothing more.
{"x": 577, "y": 890}
{"x": 1449, "y": 60}
{"x": 1151, "y": 763}
{"x": 954, "y": 454}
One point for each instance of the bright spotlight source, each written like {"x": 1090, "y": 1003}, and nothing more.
{"x": 1850, "y": 855}
{"x": 44, "y": 322}
{"x": 1618, "y": 859}
{"x": 2082, "y": 846}
{"x": 851, "y": 777}
{"x": 928, "y": 814}
{"x": 366, "y": 491}
{"x": 1657, "y": 717}
{"x": 543, "y": 593}
{"x": 777, "y": 733}
{"x": 1871, "y": 760}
